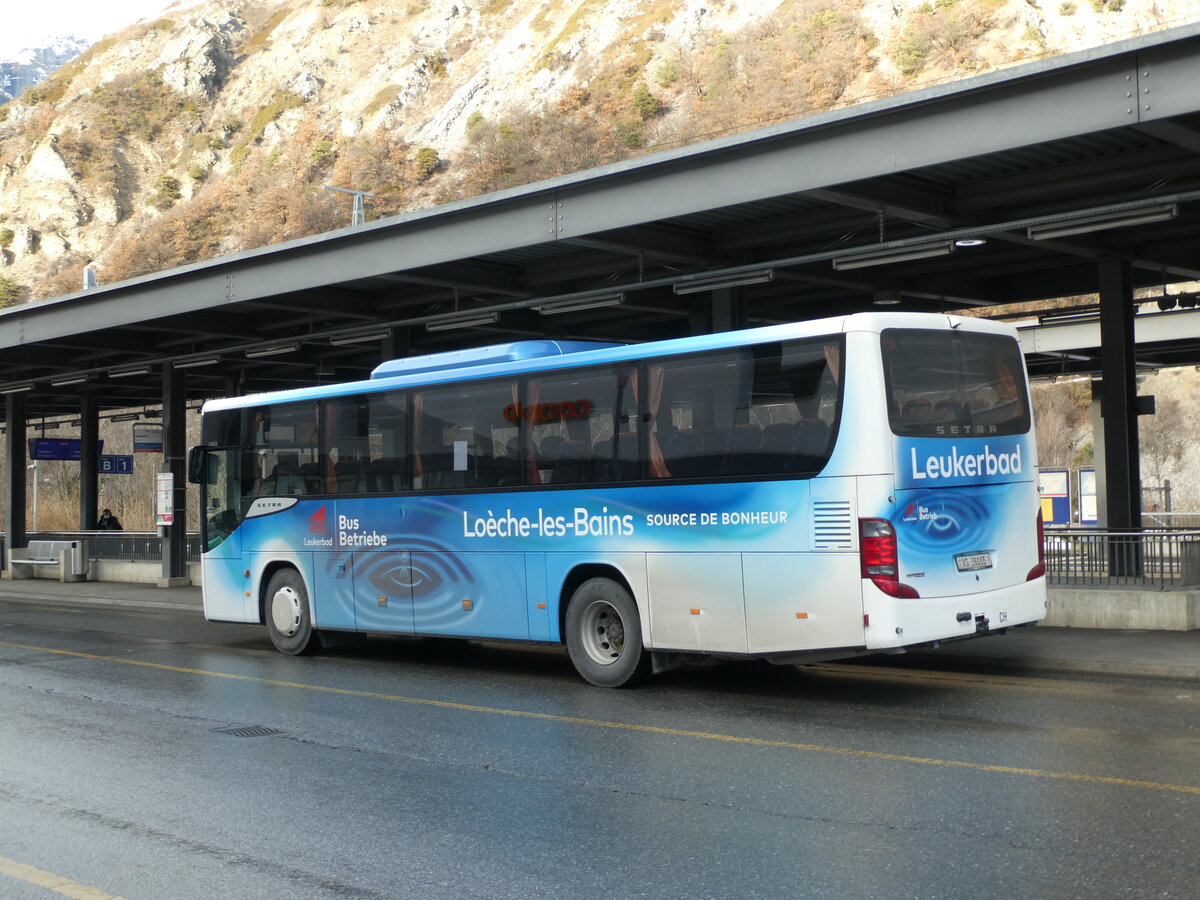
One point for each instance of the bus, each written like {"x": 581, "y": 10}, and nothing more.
{"x": 795, "y": 492}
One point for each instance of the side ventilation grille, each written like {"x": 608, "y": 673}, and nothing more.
{"x": 833, "y": 527}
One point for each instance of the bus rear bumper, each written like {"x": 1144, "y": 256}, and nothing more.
{"x": 891, "y": 623}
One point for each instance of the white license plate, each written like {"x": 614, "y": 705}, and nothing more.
{"x": 970, "y": 562}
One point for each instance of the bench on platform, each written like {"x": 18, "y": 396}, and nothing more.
{"x": 71, "y": 558}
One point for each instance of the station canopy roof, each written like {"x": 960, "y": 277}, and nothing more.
{"x": 1001, "y": 188}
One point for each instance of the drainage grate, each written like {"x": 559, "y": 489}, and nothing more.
{"x": 248, "y": 731}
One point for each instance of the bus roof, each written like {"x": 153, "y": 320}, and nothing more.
{"x": 547, "y": 355}
{"x": 518, "y": 351}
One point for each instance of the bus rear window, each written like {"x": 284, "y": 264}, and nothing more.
{"x": 954, "y": 384}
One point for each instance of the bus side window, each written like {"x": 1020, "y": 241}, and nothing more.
{"x": 387, "y": 432}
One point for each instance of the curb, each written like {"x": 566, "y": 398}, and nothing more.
{"x": 106, "y": 602}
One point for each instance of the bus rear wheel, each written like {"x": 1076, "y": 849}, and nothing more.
{"x": 287, "y": 616}
{"x": 604, "y": 635}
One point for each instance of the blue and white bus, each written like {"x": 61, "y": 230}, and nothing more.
{"x": 796, "y": 492}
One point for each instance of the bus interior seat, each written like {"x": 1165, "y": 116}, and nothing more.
{"x": 745, "y": 444}
{"x": 615, "y": 458}
{"x": 684, "y": 452}
{"x": 349, "y": 475}
{"x": 310, "y": 472}
{"x": 779, "y": 446}
{"x": 573, "y": 463}
{"x": 386, "y": 474}
{"x": 811, "y": 440}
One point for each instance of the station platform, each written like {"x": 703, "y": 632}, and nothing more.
{"x": 1171, "y": 655}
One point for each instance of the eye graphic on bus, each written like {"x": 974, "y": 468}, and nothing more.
{"x": 425, "y": 569}
{"x": 933, "y": 521}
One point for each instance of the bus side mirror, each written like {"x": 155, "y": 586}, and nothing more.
{"x": 196, "y": 467}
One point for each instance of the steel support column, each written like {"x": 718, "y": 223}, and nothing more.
{"x": 15, "y": 455}
{"x": 89, "y": 462}
{"x": 728, "y": 309}
{"x": 397, "y": 344}
{"x": 174, "y": 544}
{"x": 1122, "y": 470}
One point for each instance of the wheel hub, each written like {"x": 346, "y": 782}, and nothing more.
{"x": 285, "y": 611}
{"x": 603, "y": 633}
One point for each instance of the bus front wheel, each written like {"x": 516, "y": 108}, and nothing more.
{"x": 286, "y": 612}
{"x": 604, "y": 635}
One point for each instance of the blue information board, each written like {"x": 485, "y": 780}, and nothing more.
{"x": 50, "y": 448}
{"x": 1056, "y": 497}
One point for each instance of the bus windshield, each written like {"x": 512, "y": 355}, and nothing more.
{"x": 954, "y": 385}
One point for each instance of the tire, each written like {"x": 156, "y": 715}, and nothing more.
{"x": 604, "y": 635}
{"x": 285, "y": 610}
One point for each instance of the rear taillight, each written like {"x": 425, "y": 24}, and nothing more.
{"x": 1040, "y": 569}
{"x": 880, "y": 558}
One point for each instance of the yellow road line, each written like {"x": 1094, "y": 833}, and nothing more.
{"x": 51, "y": 882}
{"x": 629, "y": 726}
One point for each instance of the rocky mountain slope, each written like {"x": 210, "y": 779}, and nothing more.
{"x": 214, "y": 128}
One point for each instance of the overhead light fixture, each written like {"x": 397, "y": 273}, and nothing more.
{"x": 970, "y": 242}
{"x": 471, "y": 321}
{"x": 196, "y": 361}
{"x": 272, "y": 350}
{"x": 68, "y": 379}
{"x": 75, "y": 423}
{"x": 1076, "y": 317}
{"x": 125, "y": 373}
{"x": 718, "y": 282}
{"x": 578, "y": 304}
{"x": 49, "y": 426}
{"x": 1067, "y": 227}
{"x": 893, "y": 255}
{"x": 342, "y": 340}
{"x": 16, "y": 388}
{"x": 125, "y": 417}
{"x": 886, "y": 298}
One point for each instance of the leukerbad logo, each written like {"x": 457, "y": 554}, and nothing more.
{"x": 966, "y": 465}
{"x": 318, "y": 523}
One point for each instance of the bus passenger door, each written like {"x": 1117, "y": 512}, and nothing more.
{"x": 383, "y": 590}
{"x": 333, "y": 591}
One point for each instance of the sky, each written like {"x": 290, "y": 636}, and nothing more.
{"x": 27, "y": 23}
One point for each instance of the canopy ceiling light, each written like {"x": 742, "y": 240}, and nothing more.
{"x": 125, "y": 373}
{"x": 272, "y": 350}
{"x": 886, "y": 298}
{"x": 578, "y": 304}
{"x": 344, "y": 339}
{"x": 485, "y": 318}
{"x": 892, "y": 255}
{"x": 1147, "y": 215}
{"x": 197, "y": 361}
{"x": 126, "y": 417}
{"x": 16, "y": 388}
{"x": 64, "y": 380}
{"x": 719, "y": 282}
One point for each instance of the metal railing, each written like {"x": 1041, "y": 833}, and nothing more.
{"x": 1156, "y": 560}
{"x": 126, "y": 546}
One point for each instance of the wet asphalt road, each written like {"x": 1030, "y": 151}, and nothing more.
{"x": 433, "y": 769}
